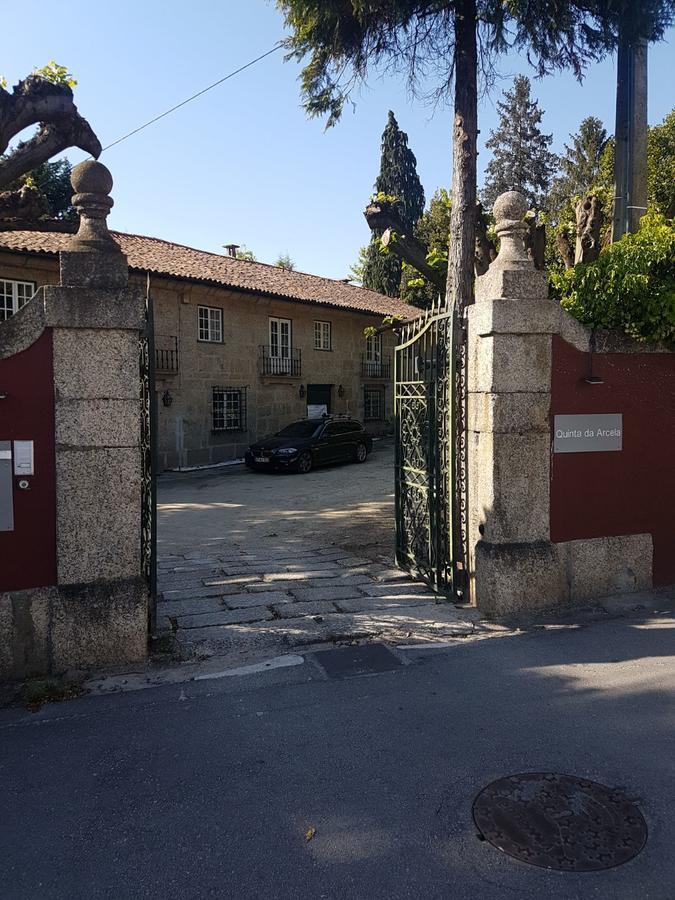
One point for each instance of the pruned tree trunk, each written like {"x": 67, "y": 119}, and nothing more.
{"x": 414, "y": 253}
{"x": 485, "y": 251}
{"x": 382, "y": 218}
{"x": 33, "y": 101}
{"x": 535, "y": 244}
{"x": 565, "y": 249}
{"x": 589, "y": 227}
{"x": 461, "y": 251}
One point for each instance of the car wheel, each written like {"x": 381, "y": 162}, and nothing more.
{"x": 304, "y": 463}
{"x": 361, "y": 453}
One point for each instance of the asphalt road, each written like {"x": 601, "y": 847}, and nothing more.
{"x": 209, "y": 789}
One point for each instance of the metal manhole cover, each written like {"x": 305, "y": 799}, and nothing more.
{"x": 560, "y": 822}
{"x": 366, "y": 659}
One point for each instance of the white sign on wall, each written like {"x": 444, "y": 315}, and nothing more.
{"x": 587, "y": 433}
{"x": 316, "y": 410}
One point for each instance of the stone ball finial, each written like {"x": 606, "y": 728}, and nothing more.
{"x": 509, "y": 212}
{"x": 91, "y": 177}
{"x": 511, "y": 206}
{"x": 92, "y": 183}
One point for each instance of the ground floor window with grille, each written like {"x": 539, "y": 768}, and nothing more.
{"x": 229, "y": 408}
{"x": 14, "y": 295}
{"x": 373, "y": 404}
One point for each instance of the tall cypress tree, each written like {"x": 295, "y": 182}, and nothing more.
{"x": 398, "y": 178}
{"x": 521, "y": 160}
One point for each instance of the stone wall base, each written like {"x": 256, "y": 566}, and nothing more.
{"x": 509, "y": 578}
{"x": 46, "y": 631}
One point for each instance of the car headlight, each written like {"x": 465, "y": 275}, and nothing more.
{"x": 286, "y": 451}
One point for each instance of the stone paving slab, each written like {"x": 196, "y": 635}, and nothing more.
{"x": 302, "y": 576}
{"x": 188, "y": 607}
{"x": 242, "y": 601}
{"x": 235, "y": 599}
{"x": 227, "y": 581}
{"x": 326, "y": 593}
{"x": 172, "y": 581}
{"x": 422, "y": 623}
{"x": 225, "y": 617}
{"x": 410, "y": 588}
{"x": 370, "y": 604}
{"x": 296, "y": 610}
{"x": 352, "y": 561}
{"x": 195, "y": 593}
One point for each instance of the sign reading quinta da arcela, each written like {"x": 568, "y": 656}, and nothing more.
{"x": 587, "y": 434}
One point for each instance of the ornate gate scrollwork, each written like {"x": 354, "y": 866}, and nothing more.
{"x": 428, "y": 509}
{"x": 148, "y": 464}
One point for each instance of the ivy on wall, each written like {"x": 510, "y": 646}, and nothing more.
{"x": 630, "y": 287}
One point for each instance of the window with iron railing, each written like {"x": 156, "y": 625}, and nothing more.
{"x": 272, "y": 362}
{"x": 380, "y": 368}
{"x": 373, "y": 404}
{"x": 228, "y": 408}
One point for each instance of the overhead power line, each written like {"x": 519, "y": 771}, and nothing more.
{"x": 210, "y": 87}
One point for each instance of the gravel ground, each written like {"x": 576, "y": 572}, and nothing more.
{"x": 349, "y": 505}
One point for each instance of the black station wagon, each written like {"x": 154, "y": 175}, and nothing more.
{"x": 311, "y": 442}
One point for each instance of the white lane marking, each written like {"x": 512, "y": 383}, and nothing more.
{"x": 277, "y": 662}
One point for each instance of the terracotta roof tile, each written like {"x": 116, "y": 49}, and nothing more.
{"x": 165, "y": 258}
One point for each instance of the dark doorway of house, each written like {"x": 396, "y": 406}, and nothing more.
{"x": 318, "y": 399}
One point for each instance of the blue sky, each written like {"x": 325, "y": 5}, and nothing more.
{"x": 243, "y": 164}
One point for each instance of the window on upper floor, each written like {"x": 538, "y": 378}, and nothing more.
{"x": 14, "y": 295}
{"x": 374, "y": 348}
{"x": 210, "y": 324}
{"x": 229, "y": 408}
{"x": 322, "y": 336}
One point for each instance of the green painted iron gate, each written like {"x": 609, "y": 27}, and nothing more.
{"x": 428, "y": 367}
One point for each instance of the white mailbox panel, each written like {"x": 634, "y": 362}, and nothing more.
{"x": 23, "y": 458}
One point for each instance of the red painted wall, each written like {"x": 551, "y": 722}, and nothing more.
{"x": 629, "y": 491}
{"x": 28, "y": 554}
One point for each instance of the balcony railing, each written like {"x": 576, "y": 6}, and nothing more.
{"x": 271, "y": 364}
{"x": 166, "y": 353}
{"x": 370, "y": 369}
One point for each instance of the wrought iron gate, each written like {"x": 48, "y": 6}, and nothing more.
{"x": 429, "y": 508}
{"x": 148, "y": 461}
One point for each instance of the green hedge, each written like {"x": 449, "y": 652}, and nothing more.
{"x": 631, "y": 286}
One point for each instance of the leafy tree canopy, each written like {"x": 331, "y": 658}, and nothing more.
{"x": 661, "y": 166}
{"x": 432, "y": 229}
{"x": 631, "y": 285}
{"x": 285, "y": 262}
{"x": 580, "y": 167}
{"x": 52, "y": 179}
{"x": 342, "y": 39}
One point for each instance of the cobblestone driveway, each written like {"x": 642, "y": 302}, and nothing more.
{"x": 251, "y": 561}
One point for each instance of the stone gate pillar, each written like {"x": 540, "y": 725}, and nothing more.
{"x": 100, "y": 613}
{"x": 92, "y": 608}
{"x": 513, "y": 563}
{"x": 509, "y": 383}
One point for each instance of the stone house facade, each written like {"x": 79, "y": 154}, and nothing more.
{"x": 241, "y": 348}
